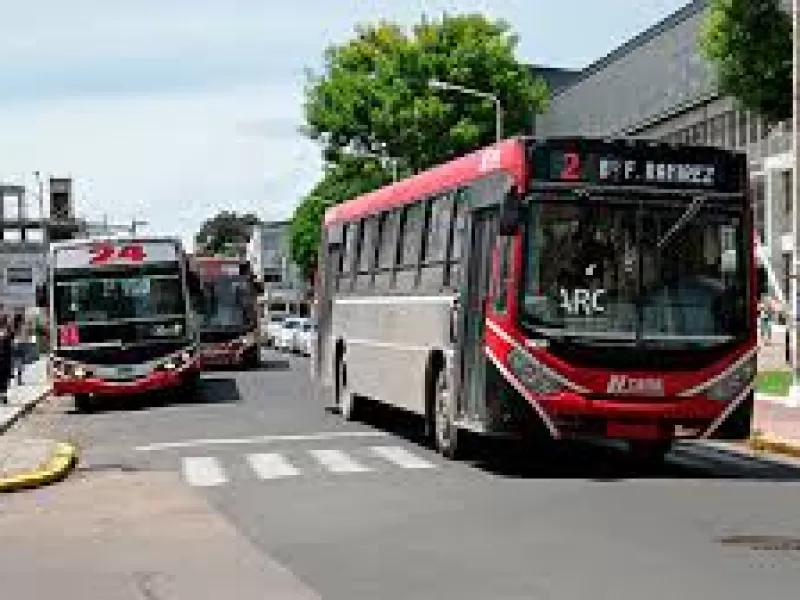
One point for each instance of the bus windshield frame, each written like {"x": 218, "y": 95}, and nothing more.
{"x": 664, "y": 271}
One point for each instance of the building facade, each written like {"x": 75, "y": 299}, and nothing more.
{"x": 26, "y": 230}
{"x": 658, "y": 86}
{"x": 269, "y": 251}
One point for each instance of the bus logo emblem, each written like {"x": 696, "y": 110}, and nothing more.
{"x": 622, "y": 384}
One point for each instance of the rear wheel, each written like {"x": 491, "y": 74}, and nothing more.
{"x": 446, "y": 434}
{"x": 85, "y": 403}
{"x": 190, "y": 387}
{"x": 345, "y": 398}
{"x": 649, "y": 452}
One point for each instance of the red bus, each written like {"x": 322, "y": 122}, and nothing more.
{"x": 229, "y": 315}
{"x": 120, "y": 318}
{"x": 557, "y": 287}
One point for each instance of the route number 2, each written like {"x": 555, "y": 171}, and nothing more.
{"x": 102, "y": 253}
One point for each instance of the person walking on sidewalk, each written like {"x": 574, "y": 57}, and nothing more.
{"x": 18, "y": 346}
{"x": 765, "y": 323}
{"x": 5, "y": 357}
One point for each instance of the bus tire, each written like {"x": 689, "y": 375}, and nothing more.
{"x": 649, "y": 453}
{"x": 84, "y": 403}
{"x": 190, "y": 388}
{"x": 345, "y": 399}
{"x": 447, "y": 437}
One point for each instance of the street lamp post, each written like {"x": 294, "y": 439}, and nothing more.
{"x": 392, "y": 161}
{"x": 443, "y": 85}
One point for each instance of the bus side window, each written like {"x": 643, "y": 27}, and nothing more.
{"x": 500, "y": 277}
{"x": 347, "y": 257}
{"x": 406, "y": 276}
{"x": 436, "y": 236}
{"x": 455, "y": 239}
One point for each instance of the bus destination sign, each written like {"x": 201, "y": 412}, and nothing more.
{"x": 114, "y": 253}
{"x": 632, "y": 165}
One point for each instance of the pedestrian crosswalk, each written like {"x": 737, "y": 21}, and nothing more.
{"x": 212, "y": 471}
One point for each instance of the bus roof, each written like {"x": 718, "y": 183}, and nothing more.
{"x": 116, "y": 238}
{"x": 507, "y": 155}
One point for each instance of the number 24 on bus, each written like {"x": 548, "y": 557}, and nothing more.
{"x": 105, "y": 252}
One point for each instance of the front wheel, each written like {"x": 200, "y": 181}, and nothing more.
{"x": 446, "y": 434}
{"x": 649, "y": 453}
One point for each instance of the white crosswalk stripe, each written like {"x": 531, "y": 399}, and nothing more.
{"x": 208, "y": 471}
{"x": 337, "y": 461}
{"x": 402, "y": 457}
{"x": 271, "y": 466}
{"x": 203, "y": 471}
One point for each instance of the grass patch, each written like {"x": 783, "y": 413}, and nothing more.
{"x": 774, "y": 383}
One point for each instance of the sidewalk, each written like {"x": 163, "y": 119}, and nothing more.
{"x": 28, "y": 459}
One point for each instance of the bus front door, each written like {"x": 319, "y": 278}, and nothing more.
{"x": 481, "y": 235}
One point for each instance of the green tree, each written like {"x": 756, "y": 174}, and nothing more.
{"x": 749, "y": 42}
{"x": 224, "y": 232}
{"x": 373, "y": 92}
{"x": 347, "y": 179}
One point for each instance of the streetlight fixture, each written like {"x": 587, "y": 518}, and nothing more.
{"x": 443, "y": 85}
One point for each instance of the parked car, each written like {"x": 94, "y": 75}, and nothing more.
{"x": 304, "y": 339}
{"x": 273, "y": 331}
{"x": 289, "y": 328}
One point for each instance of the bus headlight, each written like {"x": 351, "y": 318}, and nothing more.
{"x": 727, "y": 388}
{"x": 531, "y": 373}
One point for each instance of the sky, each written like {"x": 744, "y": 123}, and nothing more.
{"x": 172, "y": 110}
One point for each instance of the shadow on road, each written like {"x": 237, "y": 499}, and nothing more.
{"x": 584, "y": 460}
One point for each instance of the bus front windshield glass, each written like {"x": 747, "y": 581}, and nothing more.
{"x": 108, "y": 299}
{"x": 225, "y": 303}
{"x": 661, "y": 274}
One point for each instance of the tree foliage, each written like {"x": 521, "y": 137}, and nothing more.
{"x": 373, "y": 95}
{"x": 347, "y": 179}
{"x": 222, "y": 233}
{"x": 749, "y": 42}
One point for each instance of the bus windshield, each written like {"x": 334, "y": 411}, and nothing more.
{"x": 97, "y": 299}
{"x": 639, "y": 272}
{"x": 225, "y": 305}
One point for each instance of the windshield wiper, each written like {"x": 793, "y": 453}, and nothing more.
{"x": 687, "y": 216}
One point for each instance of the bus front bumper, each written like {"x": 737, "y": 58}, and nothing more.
{"x": 156, "y": 380}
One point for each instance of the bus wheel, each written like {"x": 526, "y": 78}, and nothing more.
{"x": 649, "y": 452}
{"x": 444, "y": 428}
{"x": 84, "y": 403}
{"x": 346, "y": 399}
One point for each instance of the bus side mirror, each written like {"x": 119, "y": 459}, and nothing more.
{"x": 41, "y": 295}
{"x": 509, "y": 213}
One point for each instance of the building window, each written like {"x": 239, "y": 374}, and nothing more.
{"x": 19, "y": 275}
{"x": 717, "y": 133}
{"x": 699, "y": 133}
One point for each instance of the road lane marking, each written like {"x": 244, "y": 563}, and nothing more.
{"x": 402, "y": 457}
{"x": 337, "y": 461}
{"x": 271, "y": 466}
{"x": 261, "y": 439}
{"x": 203, "y": 471}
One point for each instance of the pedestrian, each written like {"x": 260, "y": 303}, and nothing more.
{"x": 765, "y": 322}
{"x": 5, "y": 357}
{"x": 18, "y": 346}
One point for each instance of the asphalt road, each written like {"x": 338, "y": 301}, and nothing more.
{"x": 365, "y": 510}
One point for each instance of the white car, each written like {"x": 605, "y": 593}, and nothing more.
{"x": 285, "y": 339}
{"x": 304, "y": 339}
{"x": 274, "y": 326}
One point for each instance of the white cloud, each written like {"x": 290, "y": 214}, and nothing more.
{"x": 173, "y": 159}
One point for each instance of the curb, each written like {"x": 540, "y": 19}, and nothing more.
{"x": 764, "y": 443}
{"x": 63, "y": 459}
{"x": 24, "y": 410}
